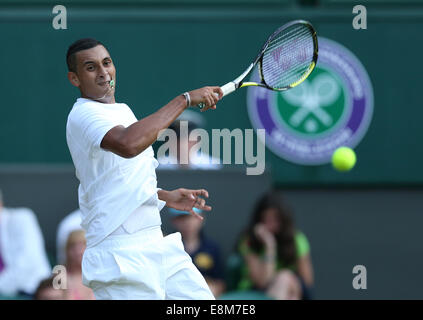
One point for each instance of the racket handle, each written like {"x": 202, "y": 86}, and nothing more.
{"x": 227, "y": 89}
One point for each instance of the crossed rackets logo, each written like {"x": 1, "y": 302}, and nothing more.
{"x": 312, "y": 97}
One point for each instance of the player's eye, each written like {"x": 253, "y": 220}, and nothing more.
{"x": 90, "y": 68}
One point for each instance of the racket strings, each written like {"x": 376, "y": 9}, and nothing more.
{"x": 294, "y": 63}
{"x": 287, "y": 36}
{"x": 282, "y": 69}
{"x": 288, "y": 57}
{"x": 294, "y": 51}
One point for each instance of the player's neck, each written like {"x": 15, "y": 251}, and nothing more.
{"x": 108, "y": 99}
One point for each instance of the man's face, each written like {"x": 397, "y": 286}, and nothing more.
{"x": 94, "y": 71}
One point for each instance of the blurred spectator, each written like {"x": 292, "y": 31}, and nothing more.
{"x": 205, "y": 253}
{"x": 71, "y": 244}
{"x": 71, "y": 222}
{"x": 46, "y": 291}
{"x": 276, "y": 254}
{"x": 23, "y": 259}
{"x": 75, "y": 247}
{"x": 188, "y": 120}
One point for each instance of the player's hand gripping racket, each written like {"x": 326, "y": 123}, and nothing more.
{"x": 285, "y": 60}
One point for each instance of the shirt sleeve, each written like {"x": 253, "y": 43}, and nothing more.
{"x": 302, "y": 244}
{"x": 90, "y": 124}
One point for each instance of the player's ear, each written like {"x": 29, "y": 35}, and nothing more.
{"x": 73, "y": 78}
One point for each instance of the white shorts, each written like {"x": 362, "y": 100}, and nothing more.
{"x": 143, "y": 265}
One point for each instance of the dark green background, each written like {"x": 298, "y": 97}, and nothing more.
{"x": 162, "y": 49}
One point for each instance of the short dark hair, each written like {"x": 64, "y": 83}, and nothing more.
{"x": 79, "y": 45}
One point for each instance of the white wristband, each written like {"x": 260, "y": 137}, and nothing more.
{"x": 188, "y": 99}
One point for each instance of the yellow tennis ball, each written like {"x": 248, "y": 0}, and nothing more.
{"x": 343, "y": 159}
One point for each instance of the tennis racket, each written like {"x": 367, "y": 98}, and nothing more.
{"x": 286, "y": 59}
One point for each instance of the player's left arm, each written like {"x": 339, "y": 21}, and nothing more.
{"x": 185, "y": 200}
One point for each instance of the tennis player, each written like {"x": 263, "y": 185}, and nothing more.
{"x": 127, "y": 256}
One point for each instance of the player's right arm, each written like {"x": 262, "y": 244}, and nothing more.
{"x": 131, "y": 141}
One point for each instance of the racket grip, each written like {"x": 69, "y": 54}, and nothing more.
{"x": 227, "y": 89}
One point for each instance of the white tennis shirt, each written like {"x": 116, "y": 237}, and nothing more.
{"x": 111, "y": 187}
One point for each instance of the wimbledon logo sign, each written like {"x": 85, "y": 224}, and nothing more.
{"x": 332, "y": 108}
